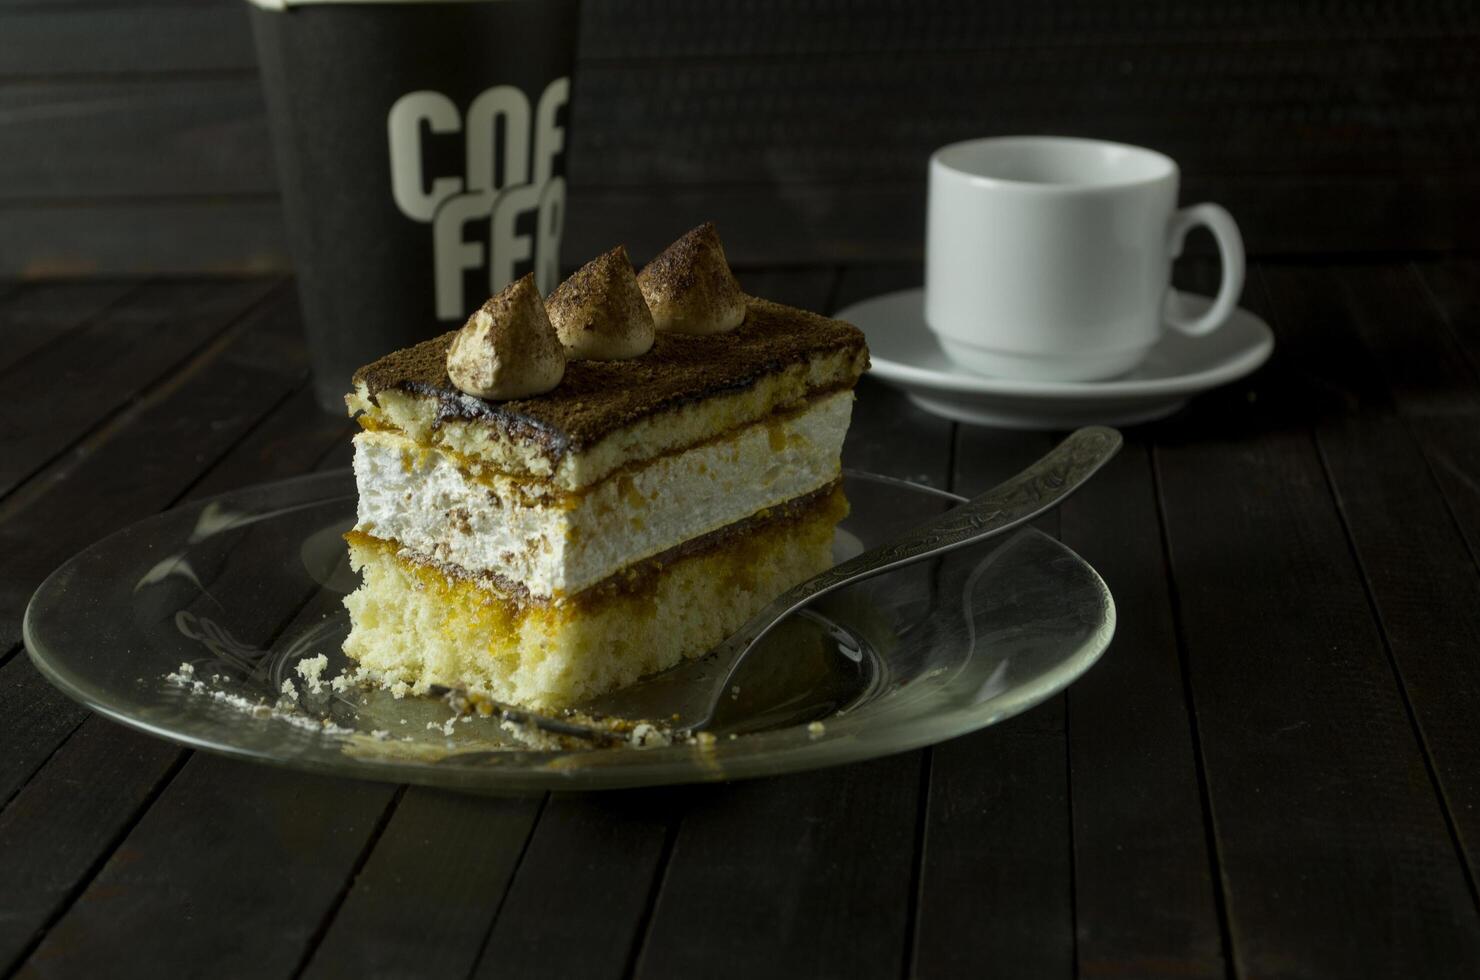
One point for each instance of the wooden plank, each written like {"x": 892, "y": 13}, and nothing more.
{"x": 172, "y": 36}
{"x": 1326, "y": 822}
{"x": 1144, "y": 890}
{"x": 291, "y": 441}
{"x": 1424, "y": 583}
{"x": 1369, "y": 336}
{"x": 1449, "y": 441}
{"x": 159, "y": 138}
{"x": 136, "y": 463}
{"x": 292, "y": 438}
{"x": 240, "y": 236}
{"x": 1451, "y": 287}
{"x": 67, "y": 819}
{"x": 103, "y": 775}
{"x": 1232, "y": 108}
{"x": 36, "y": 314}
{"x": 1449, "y": 437}
{"x": 138, "y": 467}
{"x": 39, "y": 718}
{"x": 101, "y": 763}
{"x": 423, "y": 902}
{"x": 800, "y": 876}
{"x": 1008, "y": 895}
{"x": 577, "y": 904}
{"x": 247, "y": 855}
{"x": 139, "y": 38}
{"x": 645, "y": 30}
{"x": 1420, "y": 359}
{"x": 1450, "y": 446}
{"x": 982, "y": 907}
{"x": 655, "y": 30}
{"x": 108, "y": 363}
{"x": 27, "y": 306}
{"x": 1438, "y": 395}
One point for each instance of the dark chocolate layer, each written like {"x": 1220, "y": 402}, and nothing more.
{"x": 596, "y": 398}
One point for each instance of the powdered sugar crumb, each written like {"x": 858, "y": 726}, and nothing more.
{"x": 646, "y": 736}
{"x": 350, "y": 678}
{"x": 284, "y": 711}
{"x": 311, "y": 669}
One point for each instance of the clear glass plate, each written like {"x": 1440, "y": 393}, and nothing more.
{"x": 246, "y": 585}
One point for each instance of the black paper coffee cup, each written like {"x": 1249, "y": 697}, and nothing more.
{"x": 421, "y": 153}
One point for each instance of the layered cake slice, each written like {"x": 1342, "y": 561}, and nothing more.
{"x": 563, "y": 497}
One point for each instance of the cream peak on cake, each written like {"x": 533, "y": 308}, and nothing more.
{"x": 508, "y": 348}
{"x": 599, "y": 313}
{"x": 689, "y": 287}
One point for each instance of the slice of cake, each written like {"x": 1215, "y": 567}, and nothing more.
{"x": 561, "y": 498}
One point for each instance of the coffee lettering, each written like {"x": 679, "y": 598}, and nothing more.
{"x": 453, "y": 254}
{"x": 403, "y": 125}
{"x": 503, "y": 183}
{"x": 509, "y": 104}
{"x": 510, "y": 247}
{"x": 547, "y": 235}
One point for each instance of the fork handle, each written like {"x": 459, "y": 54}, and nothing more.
{"x": 1037, "y": 489}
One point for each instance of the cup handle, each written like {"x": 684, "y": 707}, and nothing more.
{"x": 1230, "y": 247}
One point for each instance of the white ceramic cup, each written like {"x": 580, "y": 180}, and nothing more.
{"x": 1049, "y": 258}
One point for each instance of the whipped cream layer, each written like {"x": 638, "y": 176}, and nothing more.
{"x": 556, "y": 543}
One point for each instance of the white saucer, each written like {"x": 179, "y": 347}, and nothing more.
{"x": 906, "y": 354}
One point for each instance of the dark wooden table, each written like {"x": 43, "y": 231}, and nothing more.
{"x": 1274, "y": 772}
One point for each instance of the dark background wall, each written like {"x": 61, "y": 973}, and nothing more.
{"x": 132, "y": 136}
